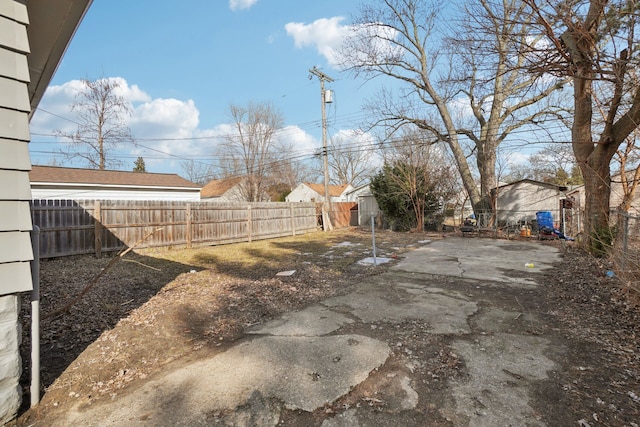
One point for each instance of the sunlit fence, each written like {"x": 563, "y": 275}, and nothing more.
{"x": 72, "y": 227}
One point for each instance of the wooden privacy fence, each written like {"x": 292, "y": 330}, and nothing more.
{"x": 340, "y": 213}
{"x": 72, "y": 227}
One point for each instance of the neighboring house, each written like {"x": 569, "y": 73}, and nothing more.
{"x": 520, "y": 200}
{"x": 308, "y": 192}
{"x": 51, "y": 182}
{"x": 617, "y": 194}
{"x": 33, "y": 39}
{"x": 353, "y": 194}
{"x": 367, "y": 204}
{"x": 227, "y": 190}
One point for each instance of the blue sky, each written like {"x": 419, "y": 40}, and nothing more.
{"x": 182, "y": 63}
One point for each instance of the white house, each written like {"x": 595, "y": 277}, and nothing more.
{"x": 616, "y": 196}
{"x": 308, "y": 192}
{"x": 51, "y": 182}
{"x": 355, "y": 193}
{"x": 33, "y": 38}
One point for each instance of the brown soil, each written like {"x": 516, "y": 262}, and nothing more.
{"x": 157, "y": 307}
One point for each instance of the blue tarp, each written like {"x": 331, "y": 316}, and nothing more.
{"x": 545, "y": 224}
{"x": 544, "y": 219}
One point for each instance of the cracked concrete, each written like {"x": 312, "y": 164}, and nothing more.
{"x": 445, "y": 311}
{"x": 500, "y": 368}
{"x": 302, "y": 361}
{"x": 480, "y": 259}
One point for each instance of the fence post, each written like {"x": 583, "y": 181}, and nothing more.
{"x": 293, "y": 220}
{"x": 188, "y": 230}
{"x": 373, "y": 240}
{"x": 97, "y": 218}
{"x": 249, "y": 224}
{"x": 624, "y": 239}
{"x": 35, "y": 318}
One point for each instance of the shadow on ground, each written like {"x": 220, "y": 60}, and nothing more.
{"x": 130, "y": 283}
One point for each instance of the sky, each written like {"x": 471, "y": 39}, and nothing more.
{"x": 181, "y": 64}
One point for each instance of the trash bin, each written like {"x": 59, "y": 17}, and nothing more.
{"x": 545, "y": 225}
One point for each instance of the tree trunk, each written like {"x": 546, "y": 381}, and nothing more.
{"x": 102, "y": 164}
{"x": 459, "y": 157}
{"x": 598, "y": 189}
{"x": 419, "y": 210}
{"x": 486, "y": 161}
{"x": 594, "y": 163}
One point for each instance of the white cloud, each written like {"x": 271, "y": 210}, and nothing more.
{"x": 166, "y": 118}
{"x": 130, "y": 93}
{"x": 515, "y": 159}
{"x": 326, "y": 35}
{"x": 165, "y": 126}
{"x": 56, "y": 104}
{"x": 359, "y": 141}
{"x": 166, "y": 130}
{"x": 241, "y": 4}
{"x": 302, "y": 143}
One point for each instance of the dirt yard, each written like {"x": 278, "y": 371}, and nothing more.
{"x": 155, "y": 307}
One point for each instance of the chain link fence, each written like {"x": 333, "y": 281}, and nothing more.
{"x": 626, "y": 249}
{"x": 524, "y": 223}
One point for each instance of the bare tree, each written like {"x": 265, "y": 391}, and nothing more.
{"x": 102, "y": 123}
{"x": 593, "y": 42}
{"x": 252, "y": 150}
{"x": 554, "y": 164}
{"x": 350, "y": 162}
{"x": 400, "y": 39}
{"x": 286, "y": 173}
{"x": 198, "y": 171}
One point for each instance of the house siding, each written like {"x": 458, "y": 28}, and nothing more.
{"x": 15, "y": 241}
{"x": 234, "y": 194}
{"x": 520, "y": 201}
{"x": 40, "y": 191}
{"x": 304, "y": 193}
{"x": 615, "y": 198}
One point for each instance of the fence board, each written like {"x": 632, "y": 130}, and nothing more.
{"x": 69, "y": 227}
{"x": 340, "y": 213}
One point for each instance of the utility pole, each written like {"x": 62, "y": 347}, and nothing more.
{"x": 326, "y": 221}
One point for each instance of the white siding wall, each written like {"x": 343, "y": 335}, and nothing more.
{"x": 521, "y": 201}
{"x": 234, "y": 194}
{"x": 86, "y": 193}
{"x": 302, "y": 193}
{"x": 15, "y": 226}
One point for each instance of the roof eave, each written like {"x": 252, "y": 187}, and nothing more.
{"x": 52, "y": 24}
